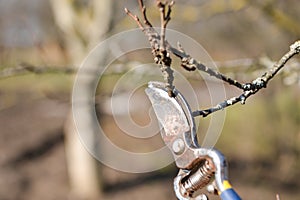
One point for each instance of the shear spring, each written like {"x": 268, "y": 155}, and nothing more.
{"x": 199, "y": 179}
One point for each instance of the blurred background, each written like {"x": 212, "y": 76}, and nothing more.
{"x": 42, "y": 44}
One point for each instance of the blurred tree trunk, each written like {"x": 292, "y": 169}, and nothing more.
{"x": 82, "y": 23}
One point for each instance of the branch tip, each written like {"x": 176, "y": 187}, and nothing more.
{"x": 295, "y": 47}
{"x": 126, "y": 11}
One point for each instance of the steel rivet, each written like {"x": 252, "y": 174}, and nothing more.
{"x": 178, "y": 146}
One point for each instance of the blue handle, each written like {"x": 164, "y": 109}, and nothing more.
{"x": 229, "y": 194}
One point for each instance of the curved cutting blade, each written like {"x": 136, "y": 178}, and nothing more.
{"x": 174, "y": 114}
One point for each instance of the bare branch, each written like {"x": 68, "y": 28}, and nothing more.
{"x": 144, "y": 11}
{"x": 161, "y": 7}
{"x": 161, "y": 50}
{"x": 255, "y": 85}
{"x": 220, "y": 106}
{"x": 164, "y": 20}
{"x": 261, "y": 82}
{"x": 191, "y": 64}
{"x": 24, "y": 68}
{"x": 158, "y": 42}
{"x": 135, "y": 18}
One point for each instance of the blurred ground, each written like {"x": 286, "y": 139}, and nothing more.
{"x": 261, "y": 139}
{"x": 33, "y": 163}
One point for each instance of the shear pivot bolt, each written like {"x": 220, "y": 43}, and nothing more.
{"x": 178, "y": 146}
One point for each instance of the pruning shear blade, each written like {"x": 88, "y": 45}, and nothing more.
{"x": 168, "y": 112}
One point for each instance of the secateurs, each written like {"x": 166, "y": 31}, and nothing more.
{"x": 198, "y": 167}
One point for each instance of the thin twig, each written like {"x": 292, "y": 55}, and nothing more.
{"x": 161, "y": 50}
{"x": 164, "y": 20}
{"x": 135, "y": 18}
{"x": 25, "y": 68}
{"x": 164, "y": 56}
{"x": 157, "y": 41}
{"x": 191, "y": 64}
{"x": 255, "y": 85}
{"x": 162, "y": 7}
{"x": 144, "y": 11}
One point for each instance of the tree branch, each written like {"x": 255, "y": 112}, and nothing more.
{"x": 157, "y": 41}
{"x": 24, "y": 68}
{"x": 144, "y": 11}
{"x": 159, "y": 44}
{"x": 255, "y": 85}
{"x": 190, "y": 64}
{"x": 161, "y": 50}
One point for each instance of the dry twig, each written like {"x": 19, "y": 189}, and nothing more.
{"x": 157, "y": 41}
{"x": 24, "y": 68}
{"x": 255, "y": 85}
{"x": 161, "y": 50}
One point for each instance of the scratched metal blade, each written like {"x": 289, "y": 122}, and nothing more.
{"x": 168, "y": 112}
